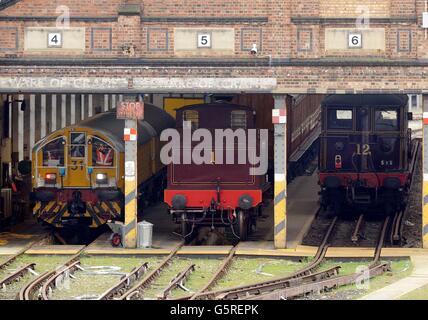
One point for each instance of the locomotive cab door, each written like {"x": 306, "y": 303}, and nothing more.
{"x": 77, "y": 161}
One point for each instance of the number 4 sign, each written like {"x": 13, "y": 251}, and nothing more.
{"x": 355, "y": 40}
{"x": 54, "y": 40}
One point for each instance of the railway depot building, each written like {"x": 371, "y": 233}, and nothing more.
{"x": 65, "y": 61}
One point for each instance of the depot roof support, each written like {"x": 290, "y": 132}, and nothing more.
{"x": 425, "y": 173}
{"x": 279, "y": 119}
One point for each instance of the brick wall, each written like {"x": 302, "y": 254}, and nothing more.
{"x": 353, "y": 8}
{"x": 281, "y": 29}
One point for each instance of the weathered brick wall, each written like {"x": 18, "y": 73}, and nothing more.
{"x": 49, "y": 8}
{"x": 353, "y": 8}
{"x": 283, "y": 30}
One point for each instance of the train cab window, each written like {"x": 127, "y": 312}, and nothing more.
{"x": 238, "y": 119}
{"x": 193, "y": 117}
{"x": 386, "y": 120}
{"x": 102, "y": 153}
{"x": 53, "y": 153}
{"x": 340, "y": 119}
{"x": 78, "y": 145}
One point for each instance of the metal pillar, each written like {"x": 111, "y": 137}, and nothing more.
{"x": 279, "y": 119}
{"x": 425, "y": 172}
{"x": 131, "y": 184}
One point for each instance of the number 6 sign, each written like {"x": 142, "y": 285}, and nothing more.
{"x": 355, "y": 40}
{"x": 54, "y": 39}
{"x": 204, "y": 40}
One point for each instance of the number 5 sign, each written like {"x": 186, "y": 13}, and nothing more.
{"x": 54, "y": 39}
{"x": 204, "y": 40}
{"x": 355, "y": 40}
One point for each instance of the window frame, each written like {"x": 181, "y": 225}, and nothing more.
{"x": 397, "y": 128}
{"x": 351, "y": 128}
{"x": 41, "y": 149}
{"x": 94, "y": 165}
{"x": 71, "y": 145}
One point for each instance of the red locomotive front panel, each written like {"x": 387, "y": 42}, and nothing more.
{"x": 222, "y": 190}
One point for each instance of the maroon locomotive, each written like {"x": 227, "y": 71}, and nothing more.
{"x": 216, "y": 194}
{"x": 365, "y": 152}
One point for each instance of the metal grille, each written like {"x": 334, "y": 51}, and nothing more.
{"x": 238, "y": 119}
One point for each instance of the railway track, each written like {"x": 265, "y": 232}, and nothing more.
{"x": 178, "y": 281}
{"x": 220, "y": 273}
{"x": 17, "y": 275}
{"x": 307, "y": 274}
{"x": 11, "y": 259}
{"x": 58, "y": 277}
{"x": 374, "y": 269}
{"x": 137, "y": 291}
{"x": 125, "y": 283}
{"x": 397, "y": 223}
{"x": 35, "y": 289}
{"x": 396, "y": 227}
{"x": 357, "y": 231}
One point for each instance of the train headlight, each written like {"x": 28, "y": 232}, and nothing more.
{"x": 102, "y": 178}
{"x": 50, "y": 178}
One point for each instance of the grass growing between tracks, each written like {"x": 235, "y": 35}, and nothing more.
{"x": 246, "y": 271}
{"x": 100, "y": 273}
{"x": 400, "y": 269}
{"x": 204, "y": 270}
{"x": 43, "y": 263}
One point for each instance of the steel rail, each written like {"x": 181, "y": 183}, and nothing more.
{"x": 176, "y": 282}
{"x": 356, "y": 234}
{"x": 125, "y": 283}
{"x": 268, "y": 285}
{"x": 50, "y": 284}
{"x": 136, "y": 292}
{"x": 220, "y": 273}
{"x": 280, "y": 284}
{"x": 376, "y": 268}
{"x": 20, "y": 252}
{"x": 17, "y": 275}
{"x": 396, "y": 227}
{"x": 31, "y": 291}
{"x": 380, "y": 242}
{"x": 320, "y": 286}
{"x": 397, "y": 224}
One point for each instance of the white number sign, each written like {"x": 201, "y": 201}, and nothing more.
{"x": 204, "y": 40}
{"x": 355, "y": 40}
{"x": 55, "y": 40}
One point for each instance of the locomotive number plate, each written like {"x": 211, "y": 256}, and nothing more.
{"x": 363, "y": 149}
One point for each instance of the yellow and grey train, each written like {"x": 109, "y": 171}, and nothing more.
{"x": 78, "y": 171}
